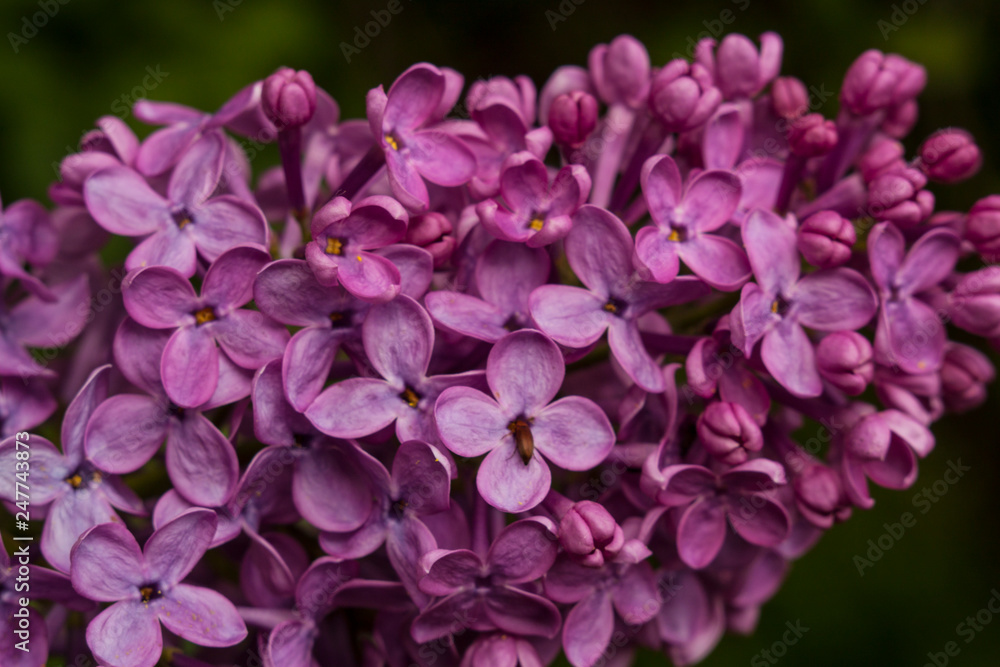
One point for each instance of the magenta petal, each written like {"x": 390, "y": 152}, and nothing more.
{"x": 124, "y": 432}
{"x": 700, "y": 533}
{"x": 69, "y": 517}
{"x": 470, "y": 422}
{"x": 835, "y": 300}
{"x": 107, "y": 564}
{"x": 413, "y": 97}
{"x": 636, "y": 597}
{"x": 405, "y": 543}
{"x": 398, "y": 338}
{"x": 201, "y": 615}
{"x": 306, "y": 364}
{"x": 190, "y": 366}
{"x": 599, "y": 249}
{"x": 710, "y": 200}
{"x": 201, "y": 462}
{"x": 249, "y": 338}
{"x": 449, "y": 571}
{"x": 886, "y": 248}
{"x": 369, "y": 277}
{"x": 658, "y": 253}
{"x": 223, "y": 222}
{"x": 574, "y": 433}
{"x": 626, "y": 344}
{"x": 74, "y": 425}
{"x": 913, "y": 335}
{"x": 525, "y": 370}
{"x": 229, "y": 281}
{"x": 355, "y": 408}
{"x": 358, "y": 543}
{"x": 38, "y": 655}
{"x": 716, "y": 260}
{"x": 661, "y": 186}
{"x": 522, "y": 613}
{"x": 47, "y": 470}
{"x": 290, "y": 644}
{"x": 929, "y": 261}
{"x": 122, "y": 202}
{"x": 169, "y": 247}
{"x": 198, "y": 171}
{"x": 768, "y": 526}
{"x": 331, "y": 490}
{"x": 422, "y": 477}
{"x": 406, "y": 182}
{"x": 467, "y": 315}
{"x": 572, "y": 316}
{"x": 588, "y": 629}
{"x": 287, "y": 290}
{"x": 441, "y": 158}
{"x": 159, "y": 298}
{"x": 507, "y": 273}
{"x": 771, "y": 247}
{"x": 524, "y": 550}
{"x": 176, "y": 547}
{"x": 505, "y": 482}
{"x": 126, "y": 634}
{"x": 448, "y": 615}
{"x": 789, "y": 356}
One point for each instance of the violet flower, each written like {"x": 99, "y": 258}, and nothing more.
{"x": 24, "y": 404}
{"x": 186, "y": 222}
{"x": 599, "y": 250}
{"x": 147, "y": 590}
{"x": 484, "y": 592}
{"x": 909, "y": 333}
{"x": 398, "y": 338}
{"x": 776, "y": 308}
{"x": 159, "y": 297}
{"x": 683, "y": 223}
{"x": 342, "y": 236}
{"x": 77, "y": 494}
{"x": 519, "y": 425}
{"x": 26, "y": 236}
{"x": 413, "y": 151}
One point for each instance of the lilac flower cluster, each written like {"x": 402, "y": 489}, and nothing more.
{"x": 477, "y": 387}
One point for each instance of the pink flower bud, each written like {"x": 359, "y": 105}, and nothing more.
{"x": 900, "y": 119}
{"x": 899, "y": 197}
{"x": 826, "y": 239}
{"x": 587, "y": 528}
{"x": 572, "y": 117}
{"x": 789, "y": 97}
{"x": 728, "y": 432}
{"x": 289, "y": 97}
{"x": 682, "y": 96}
{"x": 819, "y": 494}
{"x": 982, "y": 227}
{"x": 964, "y": 376}
{"x": 877, "y": 81}
{"x": 620, "y": 71}
{"x": 812, "y": 135}
{"x": 950, "y": 155}
{"x": 844, "y": 359}
{"x": 975, "y": 303}
{"x": 883, "y": 155}
{"x": 432, "y": 232}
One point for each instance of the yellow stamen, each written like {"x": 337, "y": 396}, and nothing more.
{"x": 75, "y": 481}
{"x": 610, "y": 307}
{"x": 147, "y": 593}
{"x": 336, "y": 317}
{"x": 334, "y": 246}
{"x": 674, "y": 236}
{"x": 774, "y": 307}
{"x": 204, "y": 315}
{"x": 410, "y": 397}
{"x": 184, "y": 223}
{"x": 536, "y": 224}
{"x": 391, "y": 140}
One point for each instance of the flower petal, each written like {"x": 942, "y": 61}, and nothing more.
{"x": 700, "y": 533}
{"x": 126, "y": 634}
{"x": 574, "y": 433}
{"x": 398, "y": 338}
{"x": 201, "y": 462}
{"x": 124, "y": 432}
{"x": 789, "y": 357}
{"x": 107, "y": 564}
{"x": 201, "y": 615}
{"x": 122, "y": 202}
{"x": 505, "y": 482}
{"x": 355, "y": 408}
{"x": 525, "y": 370}
{"x": 190, "y": 366}
{"x": 572, "y": 316}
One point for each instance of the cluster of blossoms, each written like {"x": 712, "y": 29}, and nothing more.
{"x": 376, "y": 377}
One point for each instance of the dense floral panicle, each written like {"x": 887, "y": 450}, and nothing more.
{"x": 289, "y": 316}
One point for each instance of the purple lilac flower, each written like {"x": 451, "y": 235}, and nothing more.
{"x": 520, "y": 426}
{"x": 398, "y": 338}
{"x": 506, "y": 274}
{"x": 775, "y": 308}
{"x": 484, "y": 590}
{"x": 24, "y": 404}
{"x": 186, "y": 222}
{"x": 683, "y": 225}
{"x": 537, "y": 213}
{"x": 77, "y": 494}
{"x": 26, "y": 236}
{"x": 738, "y": 68}
{"x": 909, "y": 333}
{"x": 161, "y": 298}
{"x": 599, "y": 250}
{"x": 342, "y": 236}
{"x": 414, "y": 151}
{"x": 147, "y": 590}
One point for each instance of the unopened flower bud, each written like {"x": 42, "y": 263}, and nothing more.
{"x": 812, "y": 136}
{"x": 588, "y": 527}
{"x": 572, "y": 117}
{"x": 964, "y": 376}
{"x": 682, "y": 96}
{"x": 883, "y": 156}
{"x": 982, "y": 227}
{"x": 976, "y": 302}
{"x": 432, "y": 232}
{"x": 289, "y": 97}
{"x": 950, "y": 155}
{"x": 877, "y": 81}
{"x": 899, "y": 197}
{"x": 844, "y": 359}
{"x": 789, "y": 97}
{"x": 819, "y": 493}
{"x": 826, "y": 239}
{"x": 728, "y": 432}
{"x": 900, "y": 119}
{"x": 620, "y": 71}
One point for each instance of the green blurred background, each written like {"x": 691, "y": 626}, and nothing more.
{"x": 91, "y": 53}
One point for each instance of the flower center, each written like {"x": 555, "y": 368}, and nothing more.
{"x": 615, "y": 306}
{"x": 340, "y": 319}
{"x": 78, "y": 480}
{"x": 392, "y": 141}
{"x": 411, "y": 397}
{"x": 780, "y": 306}
{"x": 398, "y": 509}
{"x": 536, "y": 223}
{"x": 150, "y": 592}
{"x": 182, "y": 217}
{"x": 206, "y": 314}
{"x": 523, "y": 440}
{"x": 677, "y": 234}
{"x": 334, "y": 246}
